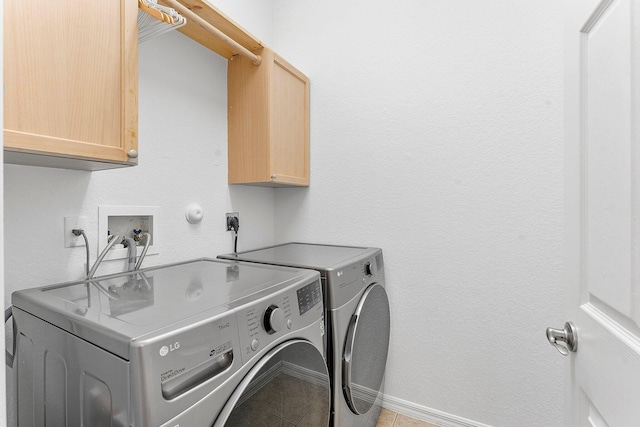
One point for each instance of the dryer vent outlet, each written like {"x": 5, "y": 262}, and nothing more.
{"x": 233, "y": 221}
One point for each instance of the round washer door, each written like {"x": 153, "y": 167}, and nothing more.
{"x": 366, "y": 349}
{"x": 289, "y": 385}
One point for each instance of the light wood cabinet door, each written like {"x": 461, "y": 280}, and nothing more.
{"x": 268, "y": 122}
{"x": 71, "y": 83}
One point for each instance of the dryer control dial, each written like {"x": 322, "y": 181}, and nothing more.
{"x": 368, "y": 269}
{"x": 273, "y": 319}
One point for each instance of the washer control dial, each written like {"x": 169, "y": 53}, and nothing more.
{"x": 273, "y": 319}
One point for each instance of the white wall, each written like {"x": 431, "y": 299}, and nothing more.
{"x": 436, "y": 134}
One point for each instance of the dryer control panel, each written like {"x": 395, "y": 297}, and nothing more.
{"x": 345, "y": 282}
{"x": 277, "y": 315}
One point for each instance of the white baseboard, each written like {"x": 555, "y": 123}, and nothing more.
{"x": 304, "y": 374}
{"x": 413, "y": 410}
{"x": 433, "y": 416}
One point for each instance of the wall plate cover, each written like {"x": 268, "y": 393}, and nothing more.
{"x": 124, "y": 219}
{"x": 74, "y": 222}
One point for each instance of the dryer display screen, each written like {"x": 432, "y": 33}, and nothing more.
{"x": 309, "y": 296}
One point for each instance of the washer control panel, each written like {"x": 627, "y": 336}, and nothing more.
{"x": 277, "y": 315}
{"x": 309, "y": 296}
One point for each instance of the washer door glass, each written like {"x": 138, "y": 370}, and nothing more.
{"x": 366, "y": 348}
{"x": 288, "y": 386}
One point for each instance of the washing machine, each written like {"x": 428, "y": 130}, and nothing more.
{"x": 199, "y": 343}
{"x": 357, "y": 321}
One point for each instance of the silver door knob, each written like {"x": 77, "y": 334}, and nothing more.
{"x": 564, "y": 340}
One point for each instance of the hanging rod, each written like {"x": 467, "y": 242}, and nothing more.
{"x": 255, "y": 59}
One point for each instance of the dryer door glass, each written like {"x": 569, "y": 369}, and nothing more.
{"x": 366, "y": 348}
{"x": 288, "y": 386}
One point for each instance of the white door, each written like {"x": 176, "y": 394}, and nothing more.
{"x": 602, "y": 210}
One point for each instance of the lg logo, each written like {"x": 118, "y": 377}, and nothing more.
{"x": 164, "y": 350}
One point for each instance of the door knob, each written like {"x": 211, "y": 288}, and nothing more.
{"x": 564, "y": 340}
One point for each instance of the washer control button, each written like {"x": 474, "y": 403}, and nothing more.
{"x": 289, "y": 323}
{"x": 255, "y": 344}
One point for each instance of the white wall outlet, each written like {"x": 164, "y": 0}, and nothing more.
{"x": 74, "y": 222}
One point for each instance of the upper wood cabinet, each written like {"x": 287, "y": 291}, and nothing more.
{"x": 71, "y": 83}
{"x": 268, "y": 104}
{"x": 268, "y": 118}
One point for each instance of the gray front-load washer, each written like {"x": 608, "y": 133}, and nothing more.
{"x": 200, "y": 343}
{"x": 357, "y": 321}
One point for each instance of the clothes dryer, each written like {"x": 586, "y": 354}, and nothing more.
{"x": 357, "y": 321}
{"x": 199, "y": 343}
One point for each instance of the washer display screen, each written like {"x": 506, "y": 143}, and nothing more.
{"x": 309, "y": 296}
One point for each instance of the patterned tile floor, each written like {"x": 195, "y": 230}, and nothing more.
{"x": 392, "y": 419}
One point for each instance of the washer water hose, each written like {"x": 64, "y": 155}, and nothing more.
{"x": 144, "y": 250}
{"x": 112, "y": 242}
{"x": 130, "y": 244}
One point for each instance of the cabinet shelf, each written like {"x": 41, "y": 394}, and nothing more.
{"x": 220, "y": 21}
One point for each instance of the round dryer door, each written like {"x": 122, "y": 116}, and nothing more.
{"x": 366, "y": 348}
{"x": 288, "y": 386}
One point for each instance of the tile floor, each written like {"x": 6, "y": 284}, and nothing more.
{"x": 287, "y": 401}
{"x": 392, "y": 419}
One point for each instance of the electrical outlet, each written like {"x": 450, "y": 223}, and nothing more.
{"x": 231, "y": 218}
{"x": 71, "y": 223}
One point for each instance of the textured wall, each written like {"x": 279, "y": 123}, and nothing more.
{"x": 436, "y": 134}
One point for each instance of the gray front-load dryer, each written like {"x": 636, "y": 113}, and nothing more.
{"x": 357, "y": 321}
{"x": 200, "y": 343}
